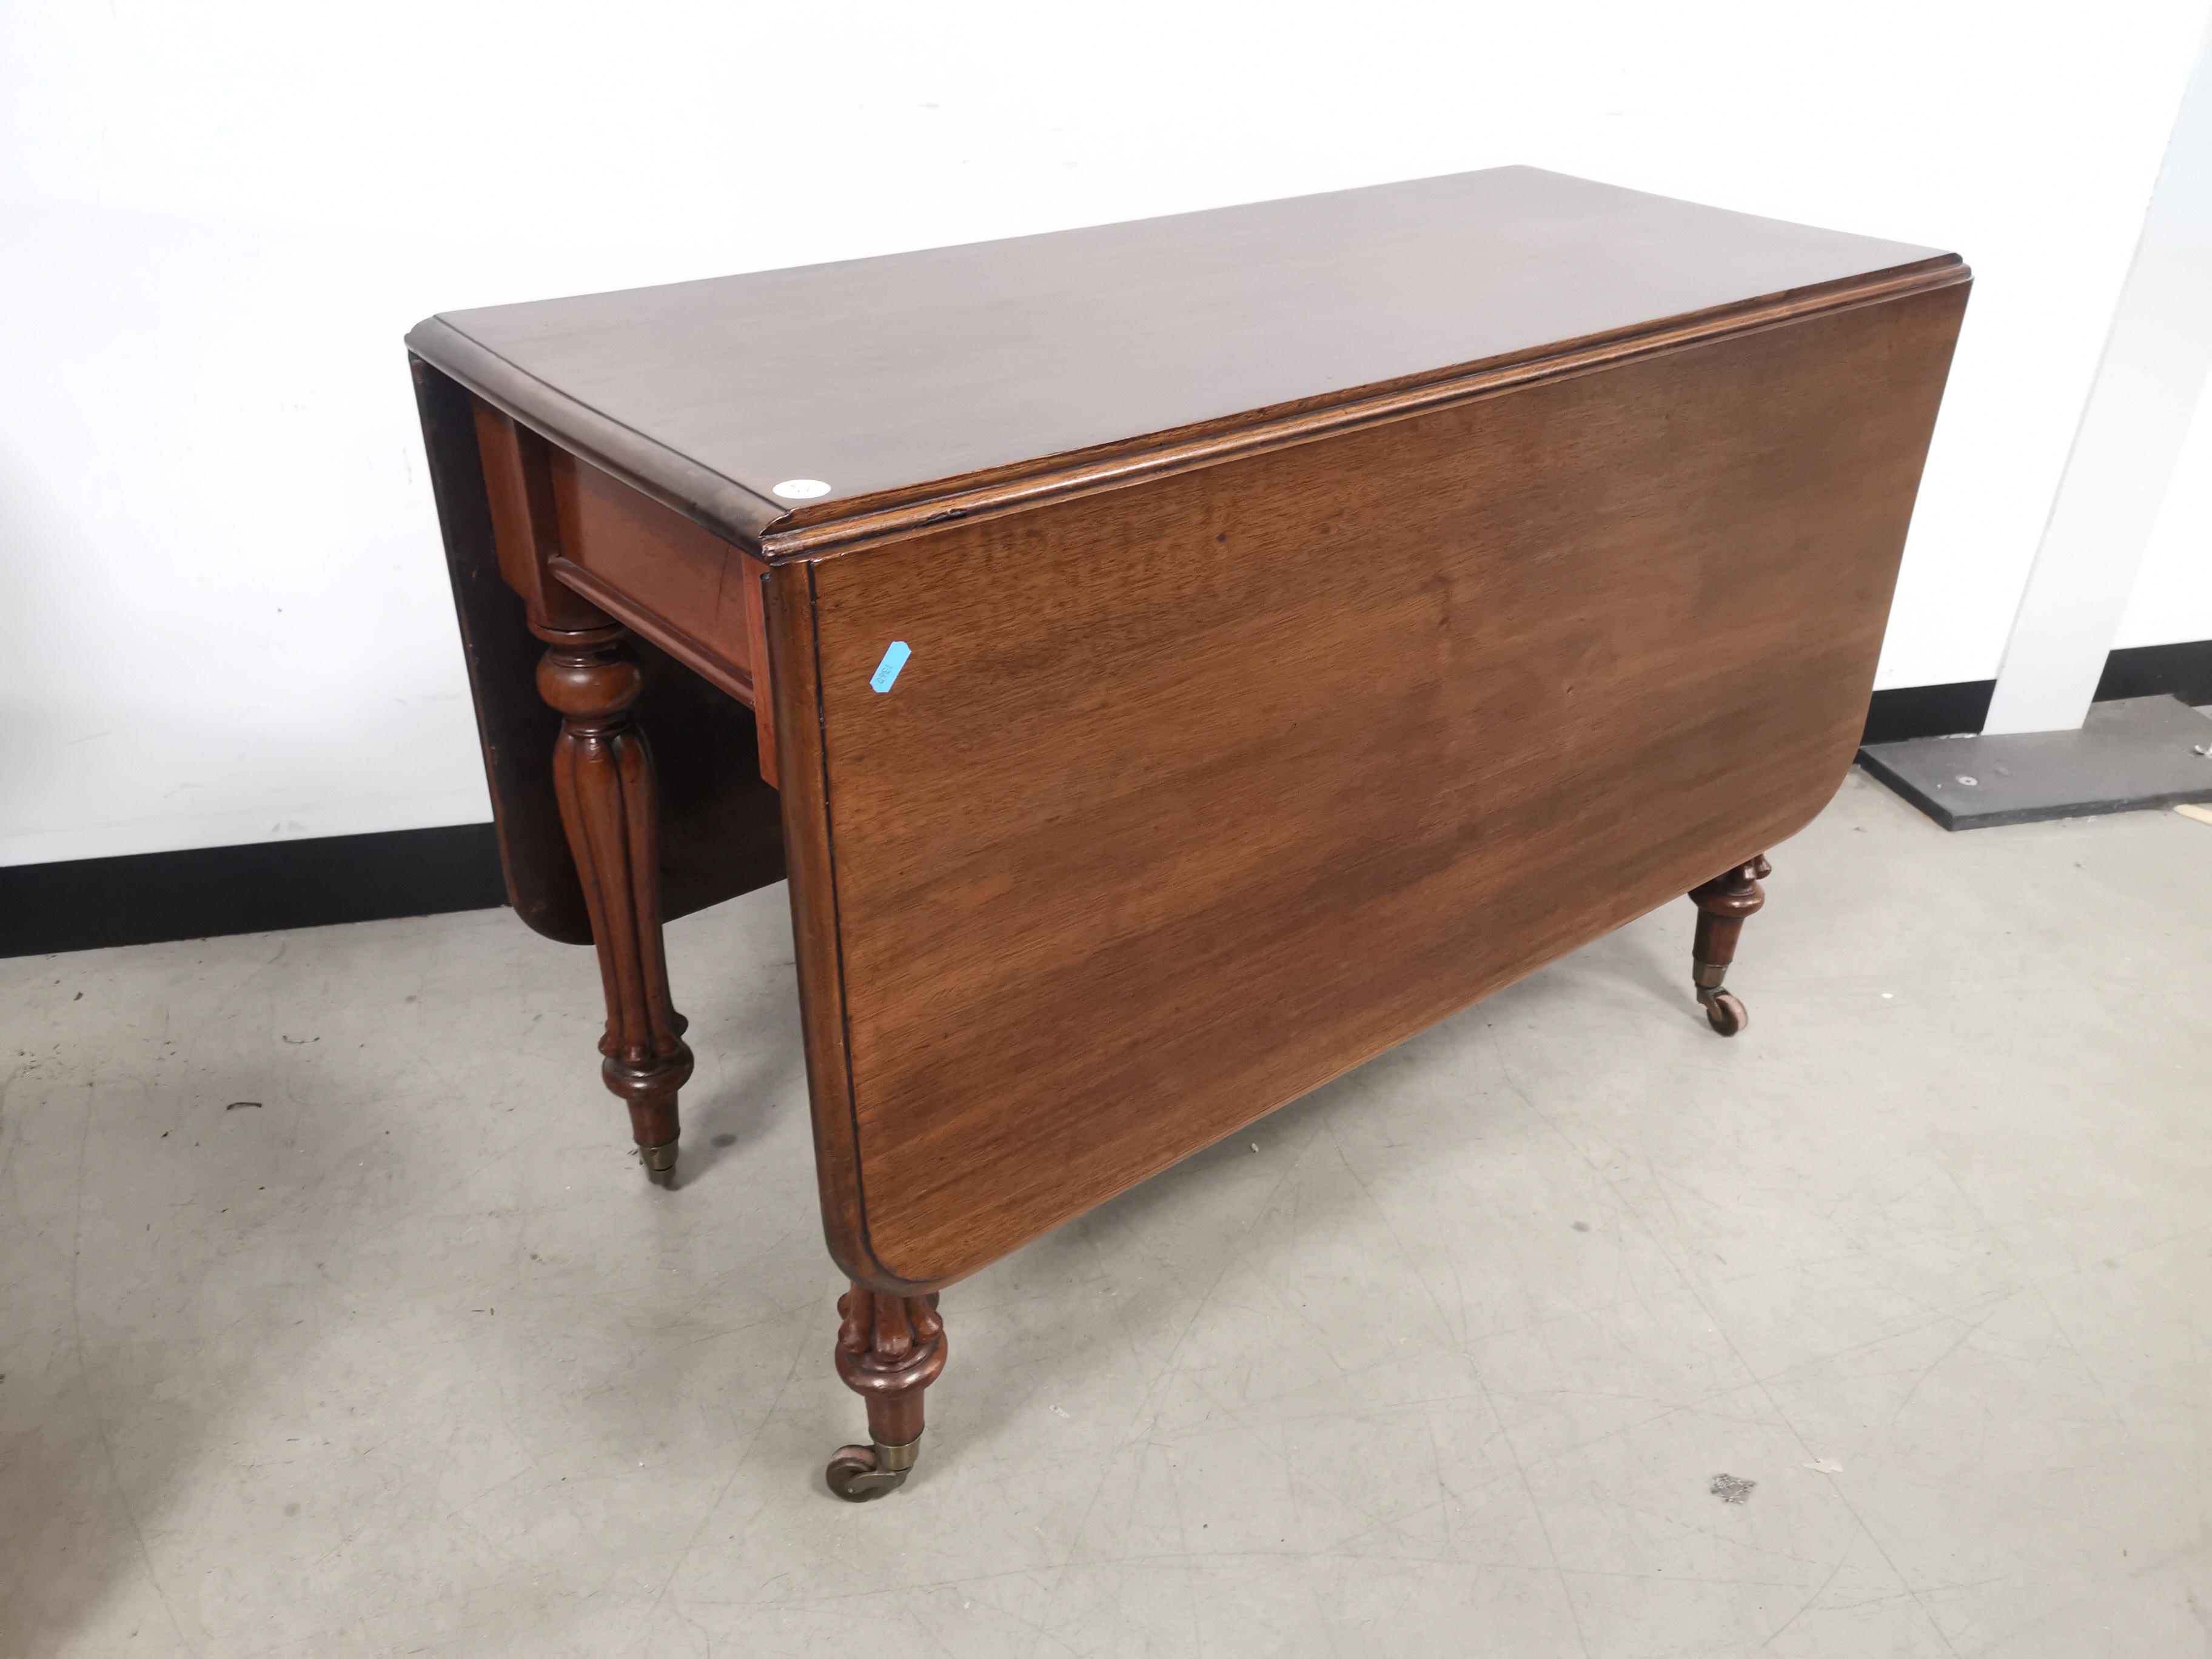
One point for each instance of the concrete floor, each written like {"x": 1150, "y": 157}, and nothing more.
{"x": 405, "y": 1358}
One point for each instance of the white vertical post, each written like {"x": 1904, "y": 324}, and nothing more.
{"x": 2140, "y": 403}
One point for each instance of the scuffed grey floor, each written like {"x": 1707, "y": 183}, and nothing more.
{"x": 407, "y": 1359}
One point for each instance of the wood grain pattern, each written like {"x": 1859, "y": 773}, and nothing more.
{"x": 1321, "y": 614}
{"x": 610, "y": 802}
{"x": 687, "y": 584}
{"x": 1004, "y": 364}
{"x": 579, "y": 547}
{"x": 721, "y": 824}
{"x": 755, "y": 603}
{"x": 1196, "y": 794}
{"x": 514, "y": 727}
{"x": 990, "y": 492}
{"x": 814, "y": 922}
{"x": 519, "y": 466}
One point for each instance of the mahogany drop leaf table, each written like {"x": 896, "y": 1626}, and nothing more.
{"x": 1171, "y": 662}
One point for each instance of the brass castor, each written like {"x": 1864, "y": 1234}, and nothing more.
{"x": 1724, "y": 1013}
{"x": 1723, "y": 903}
{"x": 659, "y": 1163}
{"x": 857, "y": 1474}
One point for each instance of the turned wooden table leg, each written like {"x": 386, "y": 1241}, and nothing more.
{"x": 1723, "y": 903}
{"x": 890, "y": 1348}
{"x": 602, "y": 776}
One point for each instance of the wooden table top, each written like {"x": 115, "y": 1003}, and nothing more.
{"x": 895, "y": 380}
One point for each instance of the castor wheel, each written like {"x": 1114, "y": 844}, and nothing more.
{"x": 857, "y": 1474}
{"x": 1723, "y": 903}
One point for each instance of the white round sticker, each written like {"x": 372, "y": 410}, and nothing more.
{"x": 801, "y": 490}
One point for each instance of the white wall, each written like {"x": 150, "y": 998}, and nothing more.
{"x": 2121, "y": 467}
{"x": 220, "y": 560}
{"x": 2172, "y": 596}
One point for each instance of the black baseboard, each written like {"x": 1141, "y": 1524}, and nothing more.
{"x": 1928, "y": 711}
{"x": 85, "y": 904}
{"x": 2183, "y": 670}
{"x": 147, "y": 897}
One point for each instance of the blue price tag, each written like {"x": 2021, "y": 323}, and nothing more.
{"x": 887, "y": 670}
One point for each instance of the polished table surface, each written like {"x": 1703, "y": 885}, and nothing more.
{"x": 893, "y": 379}
{"x": 1189, "y": 657}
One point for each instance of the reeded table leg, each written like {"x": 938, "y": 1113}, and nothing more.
{"x": 890, "y": 1348}
{"x": 603, "y": 774}
{"x": 1723, "y": 903}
